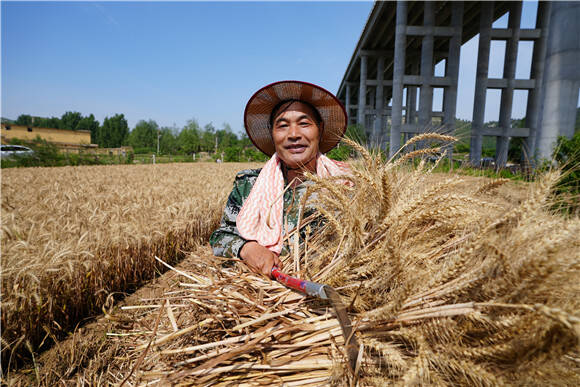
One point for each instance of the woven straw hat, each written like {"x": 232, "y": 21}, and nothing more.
{"x": 261, "y": 104}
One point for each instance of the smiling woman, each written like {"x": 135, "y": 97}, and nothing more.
{"x": 294, "y": 123}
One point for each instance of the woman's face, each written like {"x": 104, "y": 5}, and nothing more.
{"x": 296, "y": 136}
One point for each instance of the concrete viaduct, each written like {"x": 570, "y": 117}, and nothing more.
{"x": 402, "y": 41}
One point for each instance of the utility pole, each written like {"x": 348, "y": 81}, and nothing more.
{"x": 158, "y": 137}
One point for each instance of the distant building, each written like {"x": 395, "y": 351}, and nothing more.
{"x": 67, "y": 140}
{"x": 121, "y": 151}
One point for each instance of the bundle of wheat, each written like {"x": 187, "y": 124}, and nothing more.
{"x": 446, "y": 285}
{"x": 452, "y": 287}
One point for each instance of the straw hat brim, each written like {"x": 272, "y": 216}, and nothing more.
{"x": 261, "y": 104}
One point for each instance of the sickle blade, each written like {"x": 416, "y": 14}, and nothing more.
{"x": 325, "y": 292}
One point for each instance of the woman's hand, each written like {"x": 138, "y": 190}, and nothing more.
{"x": 259, "y": 259}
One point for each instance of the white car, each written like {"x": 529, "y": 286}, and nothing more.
{"x": 12, "y": 151}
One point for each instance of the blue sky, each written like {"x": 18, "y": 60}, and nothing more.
{"x": 171, "y": 62}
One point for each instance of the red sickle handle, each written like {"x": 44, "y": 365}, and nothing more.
{"x": 291, "y": 282}
{"x": 306, "y": 287}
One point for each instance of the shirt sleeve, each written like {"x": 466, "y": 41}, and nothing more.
{"x": 226, "y": 241}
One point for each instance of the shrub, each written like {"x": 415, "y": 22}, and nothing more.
{"x": 340, "y": 153}
{"x": 567, "y": 154}
{"x": 461, "y": 147}
{"x": 144, "y": 150}
{"x": 232, "y": 154}
{"x": 252, "y": 154}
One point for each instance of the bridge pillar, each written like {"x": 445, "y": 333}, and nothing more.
{"x": 452, "y": 71}
{"x": 426, "y": 95}
{"x": 533, "y": 109}
{"x": 411, "y": 112}
{"x": 362, "y": 92}
{"x": 398, "y": 74}
{"x": 379, "y": 103}
{"x": 562, "y": 77}
{"x": 485, "y": 22}
{"x": 347, "y": 103}
{"x": 507, "y": 94}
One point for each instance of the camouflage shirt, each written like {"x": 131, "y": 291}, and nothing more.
{"x": 226, "y": 241}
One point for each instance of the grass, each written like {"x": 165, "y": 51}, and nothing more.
{"x": 72, "y": 236}
{"x": 162, "y": 159}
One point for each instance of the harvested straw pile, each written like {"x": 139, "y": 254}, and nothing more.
{"x": 72, "y": 235}
{"x": 445, "y": 285}
{"x": 223, "y": 326}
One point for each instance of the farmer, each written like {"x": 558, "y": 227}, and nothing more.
{"x": 295, "y": 123}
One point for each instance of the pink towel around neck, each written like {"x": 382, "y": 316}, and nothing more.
{"x": 266, "y": 200}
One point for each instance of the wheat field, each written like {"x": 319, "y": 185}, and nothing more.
{"x": 447, "y": 283}
{"x": 71, "y": 236}
{"x": 449, "y": 280}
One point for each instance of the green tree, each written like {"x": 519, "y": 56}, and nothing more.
{"x": 70, "y": 120}
{"x": 189, "y": 139}
{"x": 89, "y": 123}
{"x": 463, "y": 134}
{"x": 208, "y": 138}
{"x": 144, "y": 135}
{"x": 52, "y": 122}
{"x": 24, "y": 120}
{"x": 114, "y": 132}
{"x": 253, "y": 154}
{"x": 232, "y": 153}
{"x": 245, "y": 140}
{"x": 226, "y": 138}
{"x": 167, "y": 141}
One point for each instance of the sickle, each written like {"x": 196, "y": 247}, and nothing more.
{"x": 325, "y": 292}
